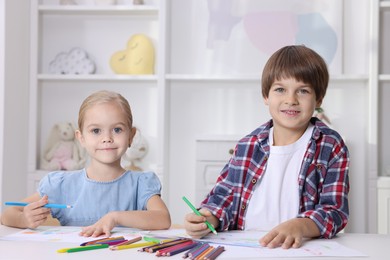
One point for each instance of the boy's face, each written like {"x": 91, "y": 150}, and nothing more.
{"x": 291, "y": 104}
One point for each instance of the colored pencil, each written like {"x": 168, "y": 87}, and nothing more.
{"x": 199, "y": 244}
{"x": 131, "y": 241}
{"x": 154, "y": 248}
{"x": 49, "y": 205}
{"x": 152, "y": 239}
{"x": 182, "y": 249}
{"x": 215, "y": 253}
{"x": 92, "y": 242}
{"x": 211, "y": 252}
{"x": 198, "y": 213}
{"x": 113, "y": 242}
{"x": 198, "y": 251}
{"x": 204, "y": 253}
{"x": 163, "y": 251}
{"x": 82, "y": 248}
{"x": 136, "y": 245}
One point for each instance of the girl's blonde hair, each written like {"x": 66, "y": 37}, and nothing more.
{"x": 105, "y": 96}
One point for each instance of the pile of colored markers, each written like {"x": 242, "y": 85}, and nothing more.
{"x": 193, "y": 249}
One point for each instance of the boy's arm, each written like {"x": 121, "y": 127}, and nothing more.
{"x": 220, "y": 200}
{"x": 331, "y": 213}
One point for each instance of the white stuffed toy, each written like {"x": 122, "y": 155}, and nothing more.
{"x": 63, "y": 151}
{"x": 137, "y": 150}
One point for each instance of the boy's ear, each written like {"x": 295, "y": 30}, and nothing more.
{"x": 265, "y": 99}
{"x": 319, "y": 103}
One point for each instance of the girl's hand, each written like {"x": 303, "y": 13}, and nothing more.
{"x": 34, "y": 214}
{"x": 195, "y": 225}
{"x": 102, "y": 227}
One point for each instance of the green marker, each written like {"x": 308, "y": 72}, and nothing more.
{"x": 198, "y": 213}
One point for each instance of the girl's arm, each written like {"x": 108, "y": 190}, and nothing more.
{"x": 30, "y": 216}
{"x": 155, "y": 217}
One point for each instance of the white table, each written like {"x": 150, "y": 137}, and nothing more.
{"x": 376, "y": 246}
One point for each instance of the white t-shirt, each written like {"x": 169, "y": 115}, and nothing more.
{"x": 276, "y": 197}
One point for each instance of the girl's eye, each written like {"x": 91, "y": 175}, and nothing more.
{"x": 117, "y": 130}
{"x": 96, "y": 131}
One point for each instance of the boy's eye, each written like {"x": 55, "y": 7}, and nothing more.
{"x": 117, "y": 130}
{"x": 96, "y": 131}
{"x": 304, "y": 91}
{"x": 278, "y": 89}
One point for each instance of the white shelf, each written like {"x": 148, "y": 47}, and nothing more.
{"x": 96, "y": 77}
{"x": 192, "y": 77}
{"x": 384, "y": 77}
{"x": 93, "y": 10}
{"x": 384, "y": 5}
{"x": 252, "y": 78}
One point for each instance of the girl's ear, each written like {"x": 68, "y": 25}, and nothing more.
{"x": 133, "y": 130}
{"x": 79, "y": 137}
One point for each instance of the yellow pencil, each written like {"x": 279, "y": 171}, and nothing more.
{"x": 132, "y": 245}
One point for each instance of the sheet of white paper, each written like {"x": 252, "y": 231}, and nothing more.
{"x": 66, "y": 234}
{"x": 235, "y": 240}
{"x": 238, "y": 244}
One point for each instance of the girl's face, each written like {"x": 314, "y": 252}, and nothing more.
{"x": 291, "y": 104}
{"x": 105, "y": 134}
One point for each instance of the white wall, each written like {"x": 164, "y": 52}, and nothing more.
{"x": 356, "y": 61}
{"x": 2, "y": 61}
{"x": 14, "y": 80}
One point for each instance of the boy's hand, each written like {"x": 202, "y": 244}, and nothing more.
{"x": 34, "y": 214}
{"x": 195, "y": 225}
{"x": 102, "y": 227}
{"x": 290, "y": 233}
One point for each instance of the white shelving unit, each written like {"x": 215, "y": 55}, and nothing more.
{"x": 101, "y": 30}
{"x": 195, "y": 91}
{"x": 379, "y": 100}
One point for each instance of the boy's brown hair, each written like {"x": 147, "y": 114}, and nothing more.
{"x": 299, "y": 62}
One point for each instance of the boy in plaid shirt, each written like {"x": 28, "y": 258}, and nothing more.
{"x": 289, "y": 177}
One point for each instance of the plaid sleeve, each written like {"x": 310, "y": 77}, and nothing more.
{"x": 220, "y": 199}
{"x": 328, "y": 186}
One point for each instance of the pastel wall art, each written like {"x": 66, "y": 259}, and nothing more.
{"x": 233, "y": 36}
{"x": 138, "y": 58}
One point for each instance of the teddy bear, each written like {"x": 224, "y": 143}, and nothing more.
{"x": 137, "y": 150}
{"x": 62, "y": 150}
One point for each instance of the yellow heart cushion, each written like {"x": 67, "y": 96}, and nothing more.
{"x": 137, "y": 58}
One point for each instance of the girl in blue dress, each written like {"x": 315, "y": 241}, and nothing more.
{"x": 103, "y": 195}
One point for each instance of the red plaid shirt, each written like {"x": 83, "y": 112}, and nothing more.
{"x": 323, "y": 180}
